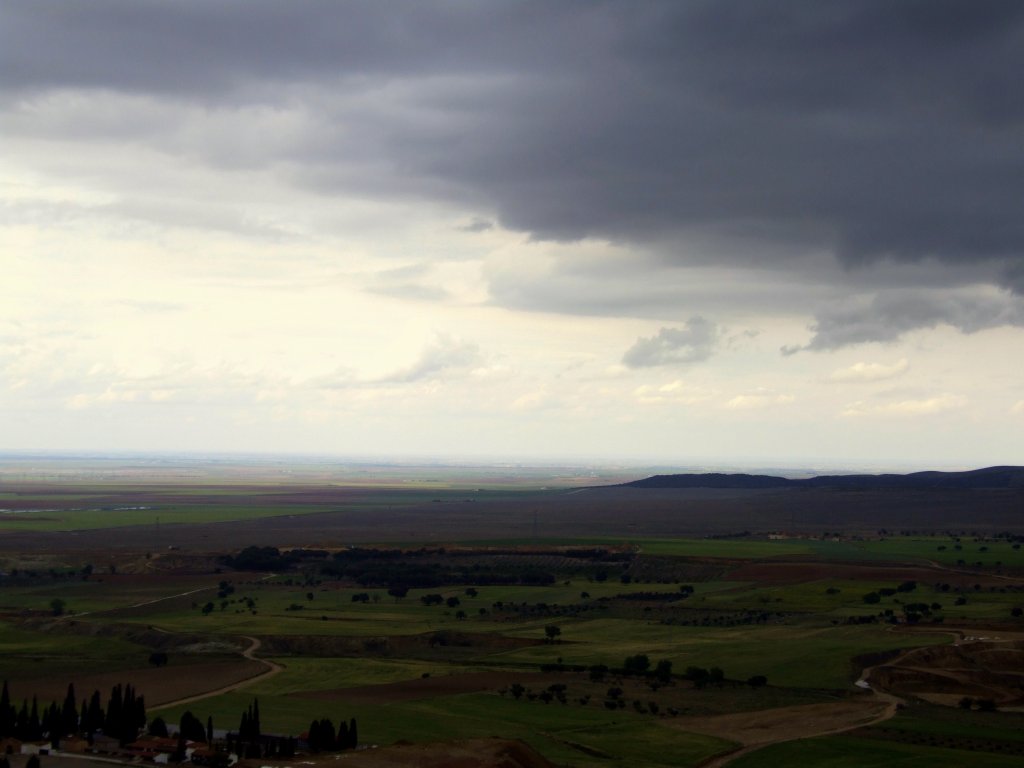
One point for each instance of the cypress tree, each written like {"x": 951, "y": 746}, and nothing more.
{"x": 314, "y": 736}
{"x": 96, "y": 719}
{"x": 52, "y": 725}
{"x": 256, "y": 731}
{"x": 353, "y": 734}
{"x": 7, "y": 714}
{"x": 327, "y": 737}
{"x": 35, "y": 729}
{"x": 112, "y": 722}
{"x": 126, "y": 721}
{"x": 209, "y": 729}
{"x": 341, "y": 742}
{"x": 140, "y": 713}
{"x": 21, "y": 722}
{"x": 69, "y": 714}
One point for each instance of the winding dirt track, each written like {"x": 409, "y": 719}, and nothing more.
{"x": 271, "y": 668}
{"x": 756, "y": 730}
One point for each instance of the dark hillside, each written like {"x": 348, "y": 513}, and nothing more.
{"x": 989, "y": 477}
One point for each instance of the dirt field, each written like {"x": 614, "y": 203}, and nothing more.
{"x": 472, "y": 753}
{"x": 785, "y": 723}
{"x": 158, "y": 685}
{"x": 611, "y": 511}
{"x": 945, "y": 674}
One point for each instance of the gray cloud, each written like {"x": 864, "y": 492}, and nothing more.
{"x": 674, "y": 346}
{"x": 889, "y": 315}
{"x": 864, "y": 132}
{"x": 478, "y": 224}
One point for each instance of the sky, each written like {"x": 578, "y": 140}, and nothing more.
{"x": 626, "y": 230}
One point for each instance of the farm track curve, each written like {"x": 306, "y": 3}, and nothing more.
{"x": 271, "y": 668}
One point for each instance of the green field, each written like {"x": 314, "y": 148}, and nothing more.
{"x": 851, "y": 752}
{"x": 555, "y": 730}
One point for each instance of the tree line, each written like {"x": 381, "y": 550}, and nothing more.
{"x": 122, "y": 718}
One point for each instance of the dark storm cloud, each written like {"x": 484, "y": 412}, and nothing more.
{"x": 890, "y": 314}
{"x": 867, "y": 131}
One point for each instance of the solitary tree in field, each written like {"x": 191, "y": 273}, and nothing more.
{"x": 57, "y": 606}
{"x": 663, "y": 670}
{"x": 398, "y": 592}
{"x": 552, "y": 631}
{"x": 637, "y": 665}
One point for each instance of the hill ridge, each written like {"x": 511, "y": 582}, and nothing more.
{"x": 1004, "y": 476}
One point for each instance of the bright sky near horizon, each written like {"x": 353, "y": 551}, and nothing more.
{"x": 701, "y": 231}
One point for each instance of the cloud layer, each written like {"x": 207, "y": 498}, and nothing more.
{"x": 607, "y": 218}
{"x": 865, "y": 131}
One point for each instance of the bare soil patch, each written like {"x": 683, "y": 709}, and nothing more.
{"x": 785, "y": 723}
{"x": 158, "y": 684}
{"x": 945, "y": 673}
{"x": 469, "y": 753}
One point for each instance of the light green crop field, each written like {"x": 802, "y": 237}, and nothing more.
{"x": 896, "y": 548}
{"x": 814, "y": 598}
{"x": 305, "y": 674}
{"x": 778, "y": 651}
{"x": 553, "y": 729}
{"x": 933, "y": 720}
{"x": 282, "y": 609}
{"x": 100, "y": 593}
{"x": 27, "y": 655}
{"x": 810, "y": 597}
{"x": 939, "y": 549}
{"x": 851, "y": 752}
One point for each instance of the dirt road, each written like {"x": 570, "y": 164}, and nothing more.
{"x": 271, "y": 668}
{"x": 756, "y": 730}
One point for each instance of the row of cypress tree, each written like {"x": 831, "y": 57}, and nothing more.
{"x": 123, "y": 717}
{"x": 323, "y": 738}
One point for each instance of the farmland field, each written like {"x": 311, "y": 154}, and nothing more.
{"x": 451, "y": 611}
